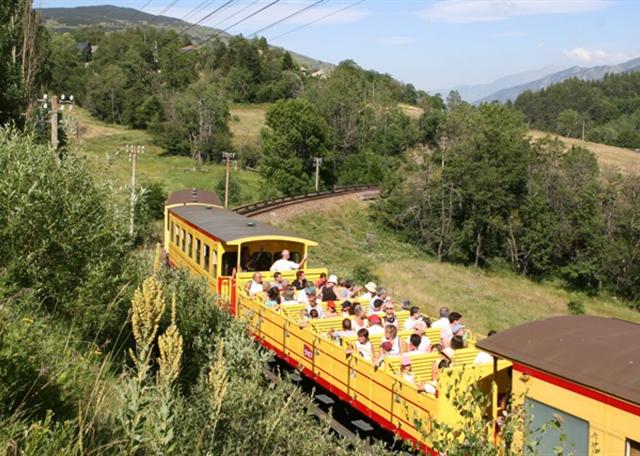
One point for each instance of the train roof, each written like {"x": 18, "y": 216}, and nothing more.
{"x": 596, "y": 352}
{"x": 232, "y": 228}
{"x": 193, "y": 195}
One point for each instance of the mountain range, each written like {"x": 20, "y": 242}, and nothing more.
{"x": 113, "y": 18}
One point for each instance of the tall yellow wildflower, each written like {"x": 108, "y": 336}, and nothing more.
{"x": 157, "y": 259}
{"x": 170, "y": 345}
{"x": 147, "y": 308}
{"x": 218, "y": 383}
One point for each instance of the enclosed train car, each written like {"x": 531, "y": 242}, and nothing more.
{"x": 218, "y": 244}
{"x": 580, "y": 372}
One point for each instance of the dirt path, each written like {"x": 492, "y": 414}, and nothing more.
{"x": 314, "y": 206}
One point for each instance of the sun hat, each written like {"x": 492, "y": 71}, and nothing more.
{"x": 449, "y": 353}
{"x": 371, "y": 287}
{"x": 332, "y": 279}
{"x": 405, "y": 361}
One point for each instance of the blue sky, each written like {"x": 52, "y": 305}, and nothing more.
{"x": 435, "y": 44}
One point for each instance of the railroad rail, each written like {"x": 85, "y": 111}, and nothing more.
{"x": 265, "y": 206}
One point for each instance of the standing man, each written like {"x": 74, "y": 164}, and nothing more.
{"x": 284, "y": 264}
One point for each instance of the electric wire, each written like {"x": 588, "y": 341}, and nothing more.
{"x": 175, "y": 37}
{"x": 137, "y": 12}
{"x": 235, "y": 14}
{"x": 197, "y": 9}
{"x": 300, "y": 11}
{"x": 316, "y": 20}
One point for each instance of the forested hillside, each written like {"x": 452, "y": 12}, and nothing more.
{"x": 609, "y": 110}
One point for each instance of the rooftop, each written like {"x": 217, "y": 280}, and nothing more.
{"x": 599, "y": 353}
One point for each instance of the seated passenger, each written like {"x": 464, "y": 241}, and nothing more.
{"x": 406, "y": 305}
{"x": 414, "y": 316}
{"x": 376, "y": 306}
{"x": 255, "y": 285}
{"x": 303, "y": 322}
{"x": 289, "y": 293}
{"x": 301, "y": 282}
{"x": 370, "y": 292}
{"x": 313, "y": 314}
{"x": 381, "y": 295}
{"x": 385, "y": 351}
{"x": 443, "y": 321}
{"x": 413, "y": 347}
{"x": 350, "y": 290}
{"x": 390, "y": 316}
{"x": 420, "y": 328}
{"x": 313, "y": 302}
{"x": 284, "y": 264}
{"x": 331, "y": 310}
{"x": 273, "y": 298}
{"x": 279, "y": 282}
{"x": 329, "y": 290}
{"x": 340, "y": 289}
{"x": 322, "y": 280}
{"x": 375, "y": 325}
{"x": 391, "y": 335}
{"x": 363, "y": 346}
{"x": 484, "y": 357}
{"x": 347, "y": 309}
{"x": 446, "y": 333}
{"x": 344, "y": 332}
{"x": 359, "y": 318}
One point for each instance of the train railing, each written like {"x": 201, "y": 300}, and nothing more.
{"x": 264, "y": 206}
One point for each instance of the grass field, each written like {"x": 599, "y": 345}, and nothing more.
{"x": 246, "y": 123}
{"x": 625, "y": 160}
{"x": 104, "y": 146}
{"x": 487, "y": 300}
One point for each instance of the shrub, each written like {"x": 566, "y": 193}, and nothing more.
{"x": 576, "y": 307}
{"x": 362, "y": 273}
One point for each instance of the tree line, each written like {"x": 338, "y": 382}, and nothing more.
{"x": 608, "y": 111}
{"x": 485, "y": 195}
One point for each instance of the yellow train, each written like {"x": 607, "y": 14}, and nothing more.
{"x": 219, "y": 245}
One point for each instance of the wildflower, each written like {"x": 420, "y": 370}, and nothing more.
{"x": 28, "y": 321}
{"x": 170, "y": 345}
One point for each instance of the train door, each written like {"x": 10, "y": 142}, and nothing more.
{"x": 226, "y": 279}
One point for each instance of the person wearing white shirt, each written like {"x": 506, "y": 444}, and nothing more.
{"x": 484, "y": 357}
{"x": 443, "y": 321}
{"x": 375, "y": 325}
{"x": 284, "y": 264}
{"x": 419, "y": 329}
{"x": 255, "y": 286}
{"x": 414, "y": 317}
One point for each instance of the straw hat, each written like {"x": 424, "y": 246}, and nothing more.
{"x": 371, "y": 287}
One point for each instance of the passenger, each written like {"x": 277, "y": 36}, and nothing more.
{"x": 347, "y": 309}
{"x": 390, "y": 316}
{"x": 329, "y": 290}
{"x": 359, "y": 318}
{"x": 289, "y": 293}
{"x": 484, "y": 357}
{"x": 322, "y": 280}
{"x": 377, "y": 306}
{"x": 255, "y": 285}
{"x": 413, "y": 347}
{"x": 340, "y": 289}
{"x": 427, "y": 321}
{"x": 420, "y": 329}
{"x": 303, "y": 322}
{"x": 350, "y": 290}
{"x": 391, "y": 335}
{"x": 284, "y": 264}
{"x": 313, "y": 314}
{"x": 301, "y": 282}
{"x": 446, "y": 333}
{"x": 406, "y": 305}
{"x": 405, "y": 371}
{"x": 313, "y": 303}
{"x": 245, "y": 258}
{"x": 385, "y": 351}
{"x": 279, "y": 282}
{"x": 414, "y": 317}
{"x": 443, "y": 321}
{"x": 380, "y": 294}
{"x": 273, "y": 298}
{"x": 346, "y": 331}
{"x": 370, "y": 288}
{"x": 375, "y": 325}
{"x": 331, "y": 310}
{"x": 363, "y": 346}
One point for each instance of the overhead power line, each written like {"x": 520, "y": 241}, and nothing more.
{"x": 317, "y": 20}
{"x": 137, "y": 12}
{"x": 197, "y": 9}
{"x": 220, "y": 32}
{"x": 300, "y": 11}
{"x": 183, "y": 31}
{"x": 167, "y": 8}
{"x": 235, "y": 14}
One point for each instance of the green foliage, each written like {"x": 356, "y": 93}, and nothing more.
{"x": 66, "y": 67}
{"x": 362, "y": 273}
{"x": 610, "y": 109}
{"x": 295, "y": 134}
{"x": 576, "y": 307}
{"x": 235, "y": 190}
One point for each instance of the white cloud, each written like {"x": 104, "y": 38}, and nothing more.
{"x": 395, "y": 40}
{"x": 464, "y": 11}
{"x": 595, "y": 55}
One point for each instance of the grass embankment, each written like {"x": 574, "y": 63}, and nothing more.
{"x": 104, "y": 146}
{"x": 246, "y": 123}
{"x": 487, "y": 300}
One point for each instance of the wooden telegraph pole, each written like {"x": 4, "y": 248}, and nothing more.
{"x": 318, "y": 161}
{"x": 227, "y": 156}
{"x": 53, "y": 113}
{"x": 134, "y": 151}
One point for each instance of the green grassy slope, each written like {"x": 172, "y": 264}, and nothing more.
{"x": 487, "y": 300}
{"x": 104, "y": 146}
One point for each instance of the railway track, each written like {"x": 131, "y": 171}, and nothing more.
{"x": 261, "y": 207}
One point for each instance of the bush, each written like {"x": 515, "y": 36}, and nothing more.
{"x": 576, "y": 308}
{"x": 363, "y": 274}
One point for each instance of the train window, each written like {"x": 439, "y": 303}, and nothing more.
{"x": 190, "y": 245}
{"x": 171, "y": 232}
{"x": 260, "y": 261}
{"x": 633, "y": 448}
{"x": 214, "y": 264}
{"x": 184, "y": 240}
{"x": 198, "y": 247}
{"x": 177, "y": 234}
{"x": 229, "y": 261}
{"x": 205, "y": 256}
{"x": 574, "y": 430}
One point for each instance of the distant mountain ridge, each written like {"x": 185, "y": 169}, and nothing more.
{"x": 474, "y": 92}
{"x": 113, "y": 18}
{"x": 588, "y": 74}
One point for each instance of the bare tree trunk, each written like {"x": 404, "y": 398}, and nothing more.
{"x": 478, "y": 247}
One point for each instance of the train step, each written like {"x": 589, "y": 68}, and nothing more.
{"x": 326, "y": 400}
{"x": 362, "y": 425}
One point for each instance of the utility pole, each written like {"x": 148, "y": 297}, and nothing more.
{"x": 318, "y": 161}
{"x": 134, "y": 151}
{"x": 227, "y": 156}
{"x": 53, "y": 113}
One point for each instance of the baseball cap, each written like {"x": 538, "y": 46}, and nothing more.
{"x": 374, "y": 319}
